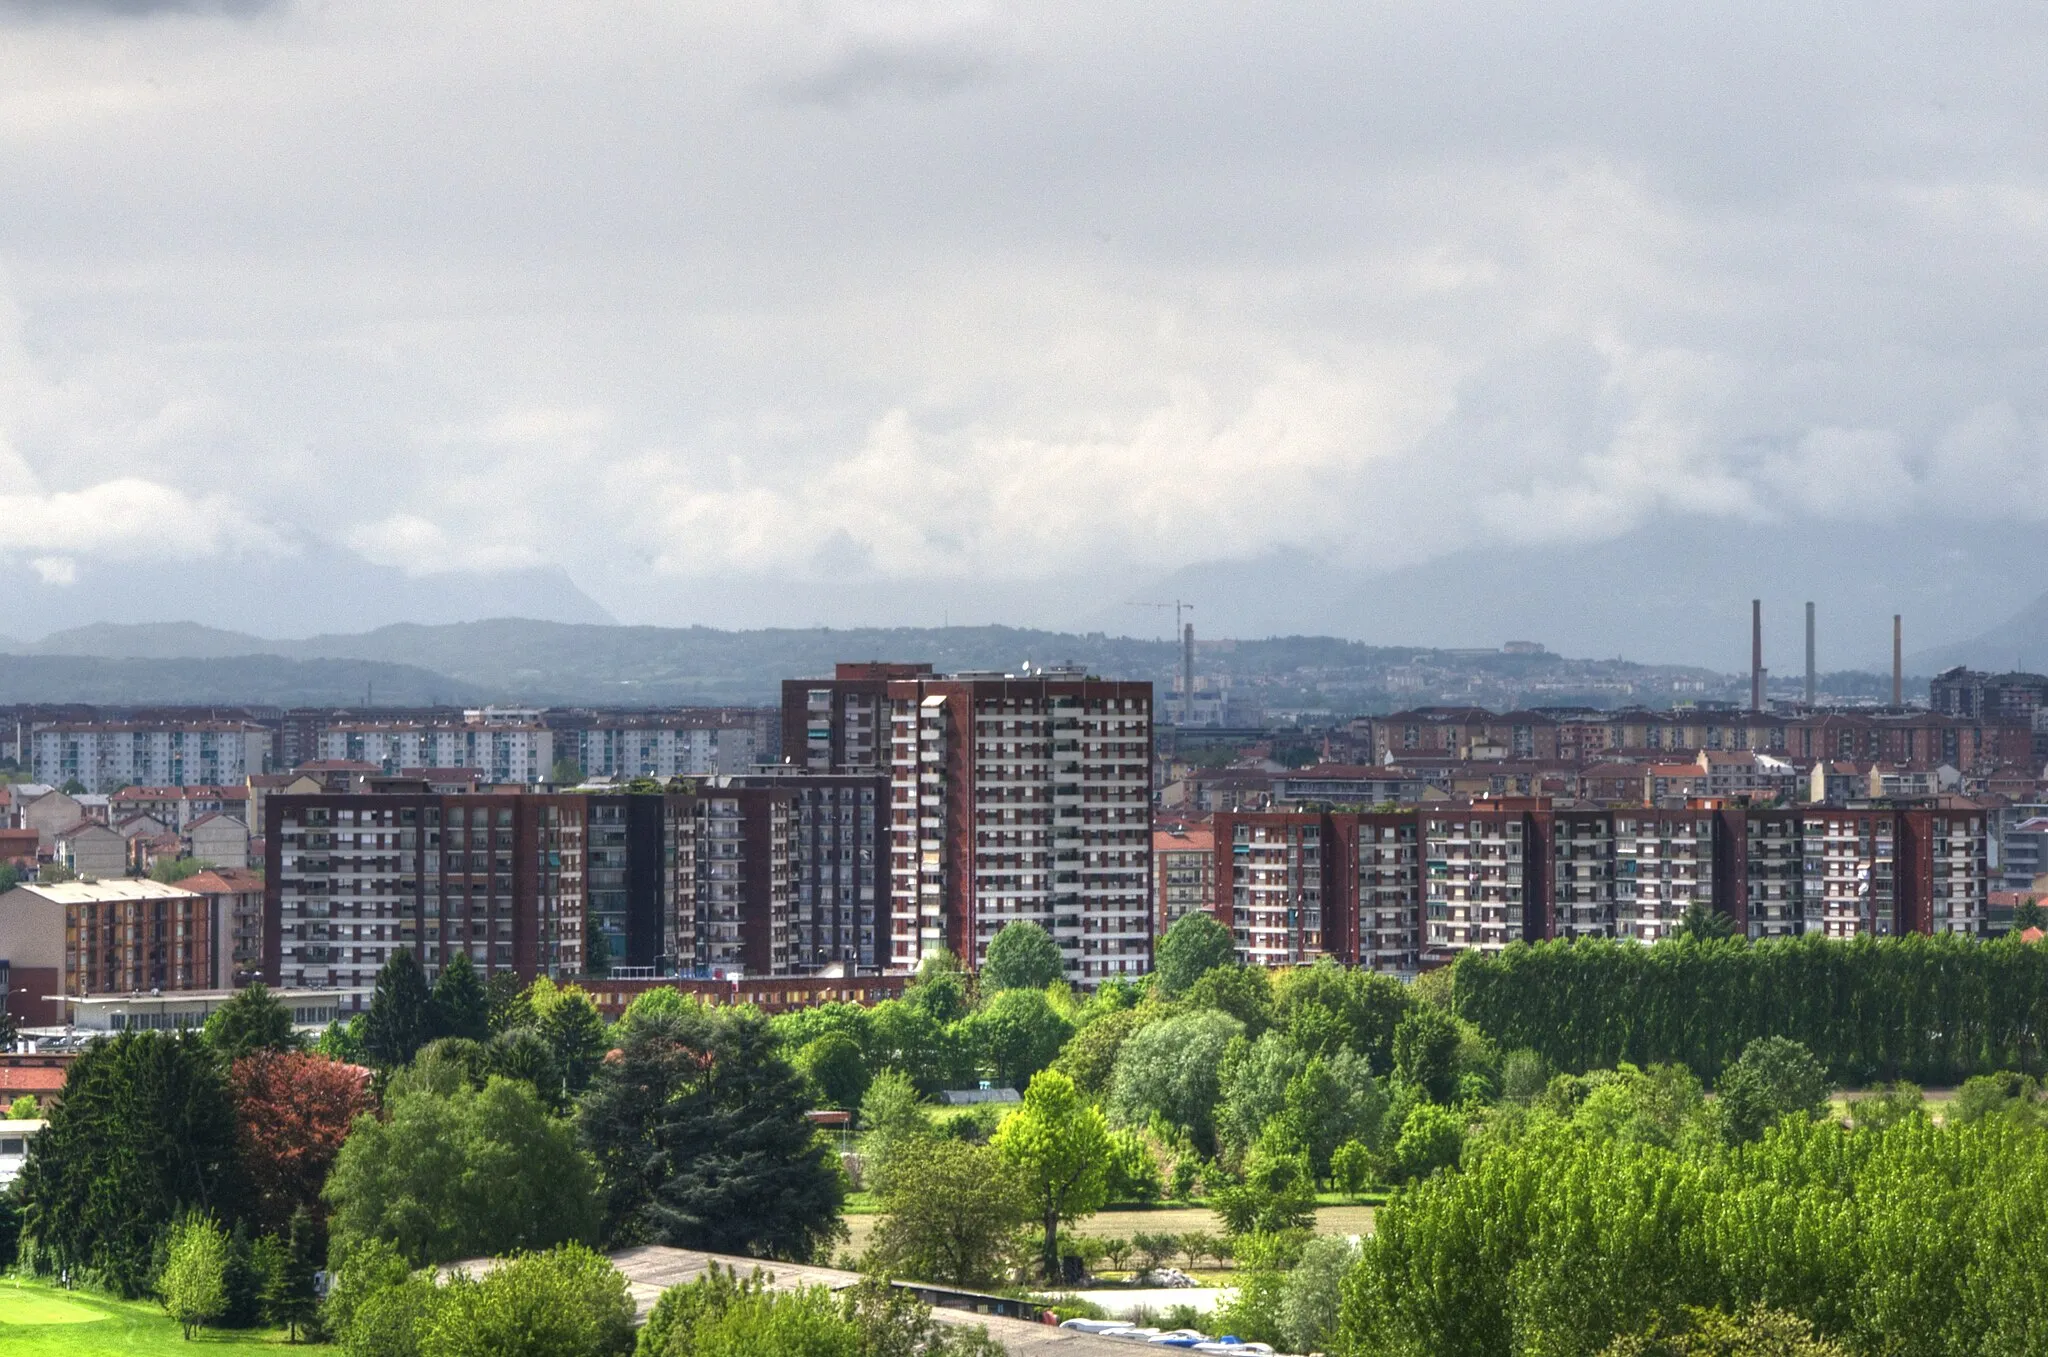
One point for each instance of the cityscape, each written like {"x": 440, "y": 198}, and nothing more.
{"x": 873, "y": 678}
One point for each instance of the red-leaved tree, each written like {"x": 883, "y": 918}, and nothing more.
{"x": 292, "y": 1111}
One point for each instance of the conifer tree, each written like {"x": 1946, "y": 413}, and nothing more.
{"x": 462, "y": 1007}
{"x": 401, "y": 1012}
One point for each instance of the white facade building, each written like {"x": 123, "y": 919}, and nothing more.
{"x": 107, "y": 756}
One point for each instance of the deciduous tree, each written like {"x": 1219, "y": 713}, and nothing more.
{"x": 1059, "y": 1145}
{"x": 949, "y": 1215}
{"x": 193, "y": 1284}
{"x": 1022, "y": 955}
{"x": 1195, "y": 945}
{"x": 293, "y": 1111}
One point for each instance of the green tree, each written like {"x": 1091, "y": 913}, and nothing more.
{"x": 561, "y": 1302}
{"x": 574, "y": 1031}
{"x": 1311, "y": 1295}
{"x": 2029, "y": 914}
{"x": 1773, "y": 1078}
{"x": 461, "y": 1174}
{"x": 1089, "y": 1057}
{"x": 143, "y": 1133}
{"x": 1888, "y": 1107}
{"x": 401, "y": 1018}
{"x": 1195, "y": 945}
{"x": 1059, "y": 1145}
{"x": 505, "y": 996}
{"x": 1171, "y": 1069}
{"x": 1351, "y": 1168}
{"x": 894, "y": 1125}
{"x": 1022, "y": 955}
{"x": 1757, "y": 1332}
{"x": 193, "y": 1284}
{"x": 343, "y": 1041}
{"x": 1432, "y": 1138}
{"x": 522, "y": 1053}
{"x": 949, "y": 1214}
{"x": 1426, "y": 1053}
{"x": 1244, "y": 992}
{"x": 1016, "y": 1034}
{"x": 565, "y": 772}
{"x": 251, "y": 1021}
{"x": 836, "y": 1071}
{"x": 24, "y": 1108}
{"x": 699, "y": 1131}
{"x": 906, "y": 1037}
{"x": 170, "y": 871}
{"x": 460, "y": 1005}
{"x": 1131, "y": 1178}
{"x": 1277, "y": 1195}
{"x": 1704, "y": 923}
{"x": 940, "y": 990}
{"x": 291, "y": 1299}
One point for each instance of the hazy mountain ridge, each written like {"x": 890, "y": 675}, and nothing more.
{"x": 243, "y": 680}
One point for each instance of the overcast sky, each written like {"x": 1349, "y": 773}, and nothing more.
{"x": 797, "y": 312}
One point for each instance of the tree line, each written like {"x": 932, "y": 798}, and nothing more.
{"x": 1931, "y": 1009}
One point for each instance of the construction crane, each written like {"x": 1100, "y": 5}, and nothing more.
{"x": 1185, "y": 634}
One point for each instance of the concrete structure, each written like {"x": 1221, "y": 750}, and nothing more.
{"x": 510, "y": 745}
{"x": 234, "y": 898}
{"x": 15, "y": 1139}
{"x": 840, "y": 911}
{"x": 92, "y": 851}
{"x": 1013, "y": 796}
{"x": 662, "y": 745}
{"x": 47, "y": 812}
{"x": 178, "y": 807}
{"x": 312, "y": 1009}
{"x": 219, "y": 838}
{"x": 1183, "y": 871}
{"x": 79, "y": 938}
{"x": 108, "y": 755}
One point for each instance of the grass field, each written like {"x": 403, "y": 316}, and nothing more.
{"x": 1330, "y": 1219}
{"x": 44, "y": 1321}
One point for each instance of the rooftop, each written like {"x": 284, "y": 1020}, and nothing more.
{"x": 102, "y": 892}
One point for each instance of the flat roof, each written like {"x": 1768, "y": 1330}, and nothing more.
{"x": 103, "y": 892}
{"x": 283, "y": 996}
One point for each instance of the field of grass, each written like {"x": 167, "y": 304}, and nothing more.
{"x": 1331, "y": 1218}
{"x": 37, "y": 1320}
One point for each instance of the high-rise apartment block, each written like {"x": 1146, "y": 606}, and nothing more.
{"x": 507, "y": 744}
{"x": 1183, "y": 872}
{"x": 105, "y": 756}
{"x": 1012, "y": 797}
{"x": 1399, "y": 890}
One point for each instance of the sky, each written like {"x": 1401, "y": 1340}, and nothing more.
{"x": 792, "y": 313}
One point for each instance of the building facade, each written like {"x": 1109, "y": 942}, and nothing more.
{"x": 106, "y": 756}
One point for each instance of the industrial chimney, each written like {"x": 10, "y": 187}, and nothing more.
{"x": 1756, "y": 654}
{"x": 1187, "y": 675}
{"x": 1809, "y": 655}
{"x": 1898, "y": 662}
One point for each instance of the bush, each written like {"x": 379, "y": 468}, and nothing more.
{"x": 564, "y": 1302}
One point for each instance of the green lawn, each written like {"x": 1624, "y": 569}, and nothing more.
{"x": 45, "y": 1321}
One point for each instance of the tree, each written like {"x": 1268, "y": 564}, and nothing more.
{"x": 24, "y": 1108}
{"x": 343, "y": 1041}
{"x": 1059, "y": 1144}
{"x": 568, "y": 1020}
{"x": 939, "y": 991}
{"x": 563, "y": 1302}
{"x": 293, "y": 1112}
{"x": 194, "y": 1280}
{"x": 1130, "y": 1176}
{"x": 1016, "y": 1034}
{"x": 251, "y": 1021}
{"x": 143, "y": 1133}
{"x": 565, "y": 772}
{"x": 462, "y": 1174}
{"x": 170, "y": 871}
{"x": 1022, "y": 955}
{"x": 292, "y": 1300}
{"x": 1277, "y": 1195}
{"x": 906, "y": 1037}
{"x": 1426, "y": 1053}
{"x": 835, "y": 1070}
{"x": 1171, "y": 1069}
{"x": 894, "y": 1124}
{"x": 699, "y": 1131}
{"x": 505, "y": 996}
{"x": 2029, "y": 914}
{"x": 1244, "y": 992}
{"x": 1432, "y": 1138}
{"x": 522, "y": 1053}
{"x": 1704, "y": 923}
{"x": 1351, "y": 1168}
{"x": 1089, "y": 1057}
{"x": 1773, "y": 1078}
{"x": 949, "y": 1215}
{"x": 401, "y": 1018}
{"x": 1757, "y": 1332}
{"x": 1195, "y": 945}
{"x": 461, "y": 1006}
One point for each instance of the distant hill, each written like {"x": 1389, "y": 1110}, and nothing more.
{"x": 248, "y": 680}
{"x": 557, "y": 663}
{"x": 2021, "y": 641}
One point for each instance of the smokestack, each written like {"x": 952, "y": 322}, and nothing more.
{"x": 1898, "y": 662}
{"x": 1809, "y": 655}
{"x": 1756, "y": 654}
{"x": 1187, "y": 675}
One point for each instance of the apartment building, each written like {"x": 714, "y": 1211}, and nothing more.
{"x": 1583, "y": 875}
{"x": 1477, "y": 895}
{"x": 839, "y": 901}
{"x": 177, "y": 807}
{"x": 1373, "y": 915}
{"x": 104, "y": 937}
{"x": 1012, "y": 796}
{"x": 1270, "y": 880}
{"x": 1972, "y": 695}
{"x": 509, "y": 745}
{"x": 661, "y": 745}
{"x": 105, "y": 756}
{"x": 1663, "y": 865}
{"x": 1183, "y": 871}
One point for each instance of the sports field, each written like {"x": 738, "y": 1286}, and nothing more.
{"x": 44, "y": 1321}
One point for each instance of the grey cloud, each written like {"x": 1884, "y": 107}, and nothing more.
{"x": 872, "y": 70}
